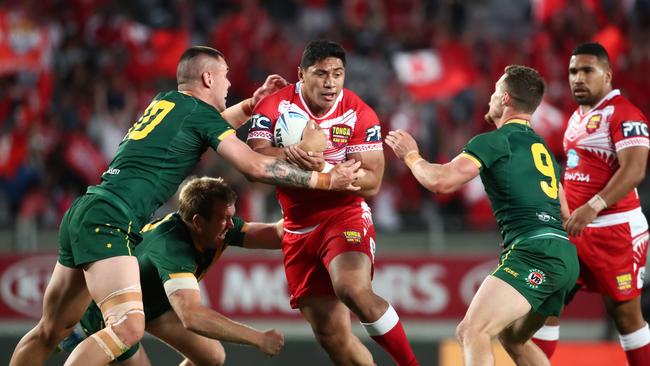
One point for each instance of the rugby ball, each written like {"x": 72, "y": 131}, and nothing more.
{"x": 289, "y": 127}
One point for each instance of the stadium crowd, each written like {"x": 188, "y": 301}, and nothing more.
{"x": 74, "y": 75}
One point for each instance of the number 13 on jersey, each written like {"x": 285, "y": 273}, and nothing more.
{"x": 544, "y": 164}
{"x": 152, "y": 116}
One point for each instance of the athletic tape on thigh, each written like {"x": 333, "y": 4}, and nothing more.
{"x": 118, "y": 305}
{"x": 109, "y": 342}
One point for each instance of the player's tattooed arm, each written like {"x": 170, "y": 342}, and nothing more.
{"x": 258, "y": 167}
{"x": 279, "y": 172}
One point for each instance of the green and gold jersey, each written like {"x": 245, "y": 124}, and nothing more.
{"x": 167, "y": 252}
{"x": 521, "y": 179}
{"x": 160, "y": 150}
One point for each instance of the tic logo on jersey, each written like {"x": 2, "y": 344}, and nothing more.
{"x": 594, "y": 123}
{"x": 535, "y": 278}
{"x": 340, "y": 134}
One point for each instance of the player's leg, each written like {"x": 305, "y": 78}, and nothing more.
{"x": 197, "y": 349}
{"x": 330, "y": 321}
{"x": 516, "y": 339}
{"x": 632, "y": 329}
{"x": 487, "y": 316}
{"x": 114, "y": 284}
{"x": 139, "y": 358}
{"x": 64, "y": 302}
{"x": 547, "y": 337}
{"x": 350, "y": 273}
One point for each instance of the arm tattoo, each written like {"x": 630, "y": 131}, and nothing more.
{"x": 281, "y": 173}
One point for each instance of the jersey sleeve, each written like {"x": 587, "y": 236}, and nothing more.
{"x": 176, "y": 267}
{"x": 629, "y": 127}
{"x": 486, "y": 148}
{"x": 211, "y": 127}
{"x": 235, "y": 236}
{"x": 367, "y": 132}
{"x": 263, "y": 121}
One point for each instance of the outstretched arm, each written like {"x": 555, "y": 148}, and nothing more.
{"x": 438, "y": 178}
{"x": 209, "y": 323}
{"x": 261, "y": 235}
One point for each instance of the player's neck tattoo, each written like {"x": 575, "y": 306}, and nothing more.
{"x": 282, "y": 173}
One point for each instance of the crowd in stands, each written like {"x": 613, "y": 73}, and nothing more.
{"x": 76, "y": 74}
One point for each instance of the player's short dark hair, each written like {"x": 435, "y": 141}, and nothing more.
{"x": 182, "y": 71}
{"x": 525, "y": 86}
{"x": 319, "y": 50}
{"x": 594, "y": 49}
{"x": 198, "y": 196}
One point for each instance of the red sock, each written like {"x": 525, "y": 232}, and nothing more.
{"x": 546, "y": 338}
{"x": 548, "y": 347}
{"x": 388, "y": 332}
{"x": 637, "y": 346}
{"x": 638, "y": 356}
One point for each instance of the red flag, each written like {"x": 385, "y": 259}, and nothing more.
{"x": 24, "y": 45}
{"x": 428, "y": 75}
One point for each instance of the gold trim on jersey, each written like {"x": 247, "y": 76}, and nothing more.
{"x": 225, "y": 134}
{"x": 472, "y": 158}
{"x": 181, "y": 275}
{"x": 505, "y": 258}
{"x": 518, "y": 121}
{"x": 185, "y": 283}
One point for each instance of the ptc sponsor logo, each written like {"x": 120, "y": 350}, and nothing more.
{"x": 260, "y": 122}
{"x": 373, "y": 134}
{"x": 23, "y": 284}
{"x": 634, "y": 129}
{"x": 535, "y": 278}
{"x": 594, "y": 123}
{"x": 352, "y": 236}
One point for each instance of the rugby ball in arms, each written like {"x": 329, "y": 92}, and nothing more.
{"x": 288, "y": 128}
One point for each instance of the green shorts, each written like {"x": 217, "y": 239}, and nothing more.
{"x": 92, "y": 322}
{"x": 95, "y": 228}
{"x": 544, "y": 270}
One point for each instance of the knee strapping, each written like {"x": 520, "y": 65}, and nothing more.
{"x": 117, "y": 306}
{"x": 109, "y": 342}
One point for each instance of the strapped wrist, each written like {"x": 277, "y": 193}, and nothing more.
{"x": 412, "y": 158}
{"x": 323, "y": 181}
{"x": 597, "y": 203}
{"x": 327, "y": 167}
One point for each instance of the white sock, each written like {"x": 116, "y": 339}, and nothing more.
{"x": 384, "y": 324}
{"x": 548, "y": 333}
{"x": 636, "y": 339}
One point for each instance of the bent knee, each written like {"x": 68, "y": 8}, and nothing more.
{"x": 352, "y": 293}
{"x": 51, "y": 333}
{"x": 331, "y": 340}
{"x": 466, "y": 331}
{"x": 130, "y": 330}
